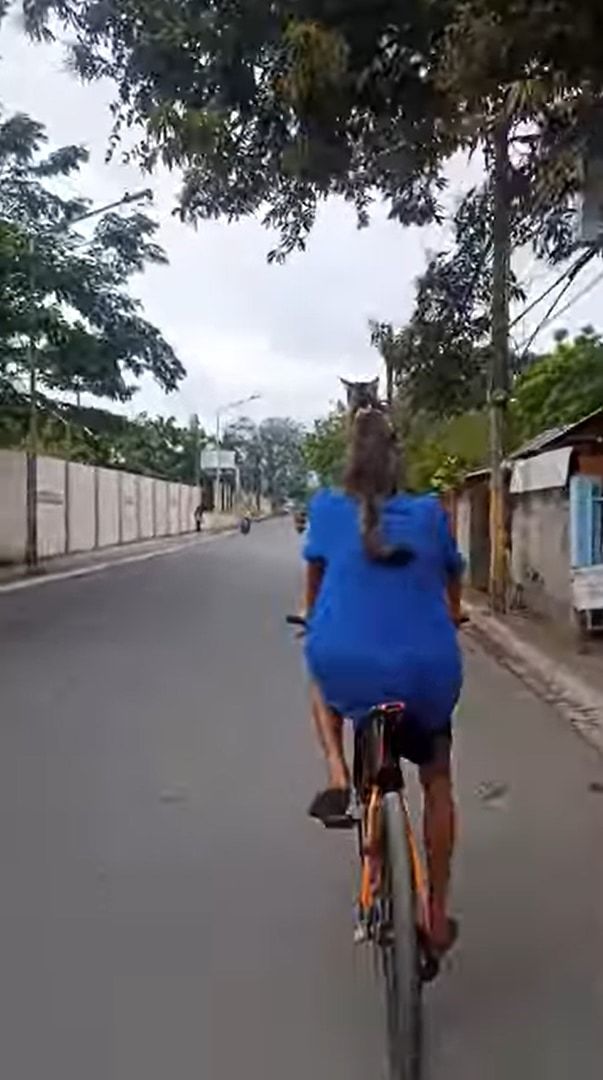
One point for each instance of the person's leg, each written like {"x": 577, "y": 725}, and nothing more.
{"x": 439, "y": 831}
{"x": 329, "y": 731}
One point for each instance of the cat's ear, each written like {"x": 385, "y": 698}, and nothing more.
{"x": 374, "y": 386}
{"x": 346, "y": 382}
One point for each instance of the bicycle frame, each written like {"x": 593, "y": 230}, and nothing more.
{"x": 377, "y": 771}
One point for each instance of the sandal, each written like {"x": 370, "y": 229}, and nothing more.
{"x": 331, "y": 807}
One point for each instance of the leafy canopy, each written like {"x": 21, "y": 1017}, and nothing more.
{"x": 561, "y": 387}
{"x": 151, "y": 446}
{"x": 278, "y": 104}
{"x": 62, "y": 294}
{"x": 270, "y": 457}
{"x": 325, "y": 446}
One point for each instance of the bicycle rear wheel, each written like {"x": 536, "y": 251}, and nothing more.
{"x": 400, "y": 947}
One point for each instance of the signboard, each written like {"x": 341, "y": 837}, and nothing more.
{"x": 209, "y": 460}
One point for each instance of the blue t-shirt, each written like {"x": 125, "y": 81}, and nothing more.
{"x": 383, "y": 632}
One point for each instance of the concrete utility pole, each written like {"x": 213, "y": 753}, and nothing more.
{"x": 499, "y": 367}
{"x": 31, "y": 541}
{"x": 196, "y": 431}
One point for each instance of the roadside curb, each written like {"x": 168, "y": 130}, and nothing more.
{"x": 576, "y": 700}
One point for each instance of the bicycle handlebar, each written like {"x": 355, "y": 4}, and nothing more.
{"x": 296, "y": 620}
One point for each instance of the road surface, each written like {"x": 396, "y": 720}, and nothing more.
{"x": 166, "y": 910}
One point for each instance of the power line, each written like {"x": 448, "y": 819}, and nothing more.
{"x": 570, "y": 273}
{"x": 567, "y": 307}
{"x": 583, "y": 292}
{"x": 543, "y": 322}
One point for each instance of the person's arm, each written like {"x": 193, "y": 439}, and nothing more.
{"x": 454, "y": 566}
{"x": 315, "y": 552}
{"x": 455, "y": 599}
{"x": 315, "y": 572}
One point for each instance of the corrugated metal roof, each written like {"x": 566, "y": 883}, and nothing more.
{"x": 539, "y": 442}
{"x": 477, "y": 474}
{"x": 547, "y": 438}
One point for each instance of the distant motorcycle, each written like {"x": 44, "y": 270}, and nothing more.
{"x": 245, "y": 525}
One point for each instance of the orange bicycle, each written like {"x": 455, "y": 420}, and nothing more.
{"x": 392, "y": 910}
{"x": 392, "y": 907}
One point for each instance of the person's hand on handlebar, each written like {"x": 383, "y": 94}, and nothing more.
{"x": 298, "y": 621}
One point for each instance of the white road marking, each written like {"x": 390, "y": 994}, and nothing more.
{"x": 108, "y": 564}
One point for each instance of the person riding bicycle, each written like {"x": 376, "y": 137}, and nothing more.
{"x": 382, "y": 600}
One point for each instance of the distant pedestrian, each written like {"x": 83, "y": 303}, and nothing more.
{"x": 199, "y": 512}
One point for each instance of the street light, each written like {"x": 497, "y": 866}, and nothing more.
{"x": 31, "y": 552}
{"x": 219, "y": 411}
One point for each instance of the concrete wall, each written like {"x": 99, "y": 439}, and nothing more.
{"x": 13, "y": 507}
{"x": 146, "y": 506}
{"x": 173, "y": 509}
{"x": 108, "y": 502}
{"x": 52, "y": 533}
{"x": 128, "y": 508}
{"x": 540, "y": 557}
{"x": 81, "y": 508}
{"x": 161, "y": 508}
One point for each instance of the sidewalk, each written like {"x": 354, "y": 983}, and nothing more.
{"x": 80, "y": 564}
{"x": 546, "y": 656}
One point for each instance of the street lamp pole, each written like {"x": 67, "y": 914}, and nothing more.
{"x": 31, "y": 547}
{"x": 219, "y": 411}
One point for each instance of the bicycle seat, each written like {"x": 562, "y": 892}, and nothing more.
{"x": 390, "y": 710}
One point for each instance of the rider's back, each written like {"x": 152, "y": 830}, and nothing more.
{"x": 381, "y": 631}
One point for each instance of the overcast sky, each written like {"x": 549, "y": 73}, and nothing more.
{"x": 239, "y": 325}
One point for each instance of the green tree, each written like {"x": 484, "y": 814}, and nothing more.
{"x": 437, "y": 453}
{"x": 269, "y": 456}
{"x": 243, "y": 437}
{"x": 272, "y": 104}
{"x": 283, "y": 468}
{"x": 279, "y": 104}
{"x": 65, "y": 296}
{"x": 158, "y": 446}
{"x": 439, "y": 359}
{"x": 152, "y": 446}
{"x": 325, "y": 446}
{"x": 561, "y": 387}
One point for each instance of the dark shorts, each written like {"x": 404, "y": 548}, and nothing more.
{"x": 420, "y": 745}
{"x": 423, "y": 747}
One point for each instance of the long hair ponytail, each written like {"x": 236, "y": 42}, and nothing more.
{"x": 371, "y": 476}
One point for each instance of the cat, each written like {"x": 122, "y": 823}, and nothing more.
{"x": 362, "y": 395}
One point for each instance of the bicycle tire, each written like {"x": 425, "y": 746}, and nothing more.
{"x": 400, "y": 948}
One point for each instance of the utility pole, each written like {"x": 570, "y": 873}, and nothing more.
{"x": 31, "y": 542}
{"x": 196, "y": 431}
{"x": 218, "y": 494}
{"x": 499, "y": 367}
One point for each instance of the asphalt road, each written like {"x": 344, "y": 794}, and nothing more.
{"x": 166, "y": 910}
